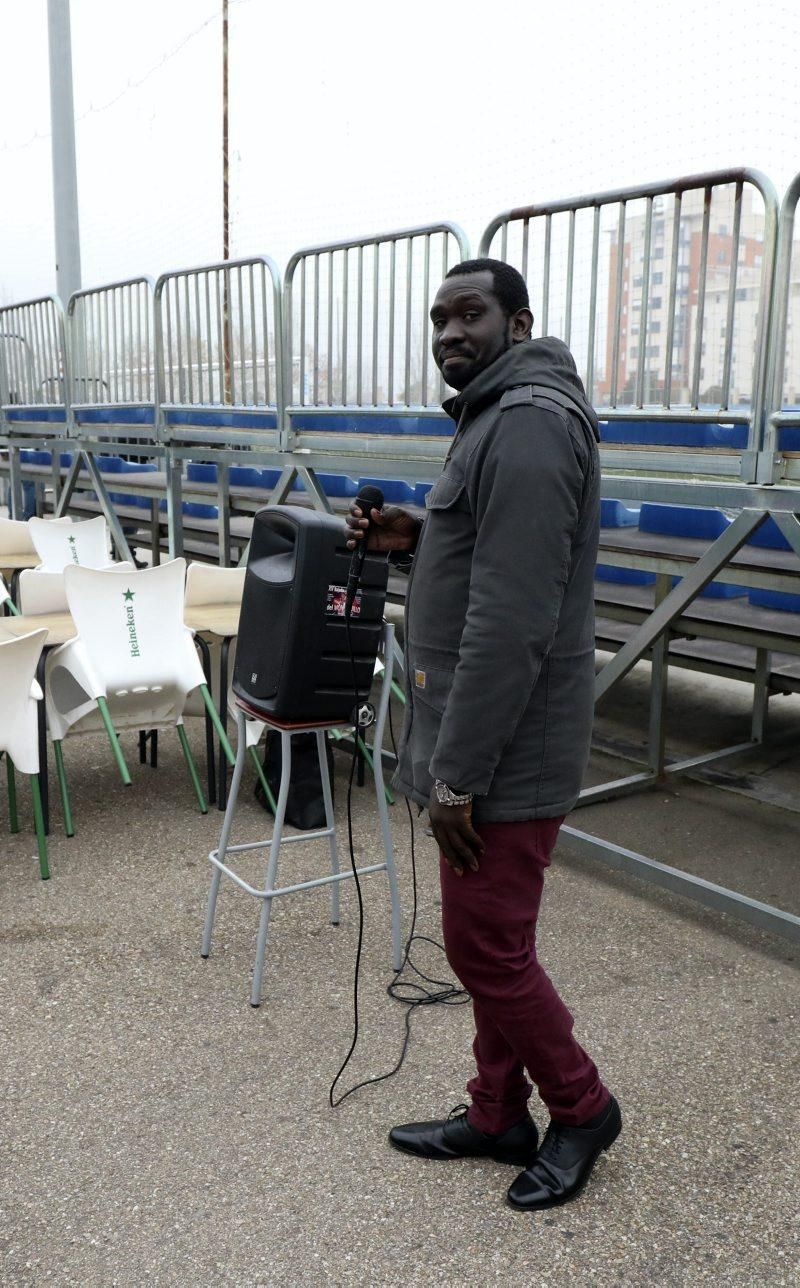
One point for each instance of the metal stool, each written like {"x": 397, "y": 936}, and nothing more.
{"x": 218, "y": 857}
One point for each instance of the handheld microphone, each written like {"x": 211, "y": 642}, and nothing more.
{"x": 369, "y": 498}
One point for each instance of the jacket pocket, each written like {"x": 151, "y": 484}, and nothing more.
{"x": 429, "y": 688}
{"x": 448, "y": 492}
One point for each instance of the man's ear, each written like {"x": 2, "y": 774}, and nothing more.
{"x": 521, "y": 324}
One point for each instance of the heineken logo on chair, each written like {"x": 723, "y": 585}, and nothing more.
{"x": 72, "y": 550}
{"x": 128, "y": 597}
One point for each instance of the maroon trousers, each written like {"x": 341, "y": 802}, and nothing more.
{"x": 489, "y": 922}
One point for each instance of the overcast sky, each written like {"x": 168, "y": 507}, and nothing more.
{"x": 364, "y": 116}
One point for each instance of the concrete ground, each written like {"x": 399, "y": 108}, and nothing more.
{"x": 157, "y": 1130}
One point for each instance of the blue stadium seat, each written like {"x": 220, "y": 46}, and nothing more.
{"x": 769, "y": 537}
{"x": 695, "y": 521}
{"x": 613, "y": 514}
{"x": 659, "y": 433}
{"x": 395, "y": 491}
{"x": 625, "y": 576}
{"x": 779, "y": 599}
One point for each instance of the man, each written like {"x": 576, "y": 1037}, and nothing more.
{"x": 500, "y": 677}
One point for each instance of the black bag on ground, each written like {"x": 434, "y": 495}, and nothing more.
{"x": 305, "y": 804}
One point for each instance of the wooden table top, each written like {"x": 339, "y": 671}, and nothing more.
{"x": 213, "y": 619}
{"x": 59, "y": 626}
{"x": 10, "y": 563}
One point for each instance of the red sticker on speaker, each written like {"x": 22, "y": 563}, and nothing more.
{"x": 335, "y": 604}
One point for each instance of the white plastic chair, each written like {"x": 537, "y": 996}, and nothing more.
{"x": 20, "y": 695}
{"x": 15, "y": 540}
{"x": 133, "y": 660}
{"x": 64, "y": 544}
{"x": 211, "y": 607}
{"x": 42, "y": 592}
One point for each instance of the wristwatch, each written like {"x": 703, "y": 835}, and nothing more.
{"x": 446, "y": 796}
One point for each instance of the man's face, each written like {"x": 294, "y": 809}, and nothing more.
{"x": 470, "y": 328}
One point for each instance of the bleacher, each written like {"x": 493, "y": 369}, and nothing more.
{"x": 178, "y": 408}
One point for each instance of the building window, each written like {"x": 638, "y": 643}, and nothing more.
{"x": 658, "y": 253}
{"x": 655, "y": 327}
{"x": 658, "y": 279}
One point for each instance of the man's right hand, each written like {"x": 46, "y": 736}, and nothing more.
{"x": 389, "y": 529}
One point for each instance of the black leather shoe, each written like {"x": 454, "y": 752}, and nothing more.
{"x": 455, "y": 1138}
{"x": 563, "y": 1164}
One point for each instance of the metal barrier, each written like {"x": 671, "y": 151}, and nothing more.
{"x": 112, "y": 349}
{"x": 219, "y": 355}
{"x": 360, "y": 382}
{"x": 669, "y": 322}
{"x": 33, "y": 366}
{"x": 781, "y": 448}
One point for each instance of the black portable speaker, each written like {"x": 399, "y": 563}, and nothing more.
{"x": 292, "y": 656}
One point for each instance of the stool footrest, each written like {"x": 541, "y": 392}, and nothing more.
{"x": 301, "y": 885}
{"x": 285, "y": 840}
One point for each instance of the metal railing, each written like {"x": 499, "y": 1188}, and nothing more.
{"x": 219, "y": 357}
{"x": 653, "y": 288}
{"x": 359, "y": 375}
{"x": 783, "y": 408}
{"x": 111, "y": 336}
{"x": 33, "y": 368}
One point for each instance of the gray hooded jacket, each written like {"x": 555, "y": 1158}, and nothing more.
{"x": 500, "y": 605}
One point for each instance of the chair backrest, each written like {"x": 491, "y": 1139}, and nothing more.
{"x": 61, "y": 545}
{"x": 131, "y": 623}
{"x": 4, "y": 595}
{"x": 19, "y": 693}
{"x": 210, "y": 584}
{"x": 15, "y": 538}
{"x": 44, "y": 592}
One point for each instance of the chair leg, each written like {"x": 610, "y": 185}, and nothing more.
{"x": 142, "y": 746}
{"x": 193, "y": 774}
{"x": 211, "y": 771}
{"x": 41, "y": 839}
{"x": 262, "y": 778}
{"x": 217, "y": 723}
{"x": 12, "y": 795}
{"x": 41, "y": 724}
{"x": 63, "y": 789}
{"x": 102, "y": 707}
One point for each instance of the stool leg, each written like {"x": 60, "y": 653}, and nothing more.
{"x": 272, "y": 866}
{"x": 222, "y": 772}
{"x": 380, "y": 794}
{"x": 227, "y": 823}
{"x": 327, "y": 796}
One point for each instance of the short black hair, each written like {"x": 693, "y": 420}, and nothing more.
{"x": 509, "y": 284}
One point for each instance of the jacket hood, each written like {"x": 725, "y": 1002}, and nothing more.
{"x": 546, "y": 361}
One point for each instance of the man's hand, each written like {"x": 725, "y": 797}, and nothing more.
{"x": 389, "y": 529}
{"x": 456, "y": 837}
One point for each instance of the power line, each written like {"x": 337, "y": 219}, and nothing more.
{"x": 131, "y": 84}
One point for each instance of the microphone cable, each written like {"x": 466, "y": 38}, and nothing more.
{"x": 411, "y": 993}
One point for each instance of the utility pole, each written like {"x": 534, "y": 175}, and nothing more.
{"x": 226, "y": 219}
{"x": 65, "y": 177}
